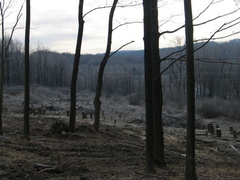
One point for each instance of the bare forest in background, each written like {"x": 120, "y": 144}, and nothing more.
{"x": 217, "y": 71}
{"x": 217, "y": 75}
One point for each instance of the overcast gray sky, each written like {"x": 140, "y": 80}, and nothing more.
{"x": 54, "y": 23}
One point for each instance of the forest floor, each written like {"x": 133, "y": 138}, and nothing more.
{"x": 116, "y": 152}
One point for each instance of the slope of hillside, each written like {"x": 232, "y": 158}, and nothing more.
{"x": 116, "y": 152}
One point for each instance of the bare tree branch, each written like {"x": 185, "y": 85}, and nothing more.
{"x": 216, "y": 61}
{"x": 127, "y": 23}
{"x": 173, "y": 31}
{"x": 94, "y": 9}
{"x": 205, "y": 22}
{"x": 171, "y": 54}
{"x": 227, "y": 36}
{"x": 121, "y": 48}
{"x": 218, "y": 17}
{"x": 204, "y": 10}
{"x": 180, "y": 57}
{"x": 205, "y": 43}
{"x": 167, "y": 19}
{"x": 106, "y": 6}
{"x": 19, "y": 15}
{"x": 230, "y": 24}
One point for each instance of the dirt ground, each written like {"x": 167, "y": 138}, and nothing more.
{"x": 117, "y": 152}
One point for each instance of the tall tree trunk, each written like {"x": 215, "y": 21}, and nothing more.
{"x": 77, "y": 56}
{"x": 4, "y": 7}
{"x": 148, "y": 85}
{"x": 26, "y": 73}
{"x": 97, "y": 102}
{"x": 157, "y": 91}
{"x": 190, "y": 173}
{"x": 1, "y": 91}
{"x": 2, "y": 66}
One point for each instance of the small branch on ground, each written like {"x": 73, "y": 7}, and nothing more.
{"x": 51, "y": 169}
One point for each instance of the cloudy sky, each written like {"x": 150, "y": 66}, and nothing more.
{"x": 54, "y": 23}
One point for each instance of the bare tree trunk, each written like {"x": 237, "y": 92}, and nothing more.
{"x": 130, "y": 87}
{"x": 4, "y": 7}
{"x": 97, "y": 102}
{"x": 157, "y": 91}
{"x": 147, "y": 8}
{"x": 2, "y": 67}
{"x": 26, "y": 73}
{"x": 1, "y": 91}
{"x": 77, "y": 56}
{"x": 190, "y": 173}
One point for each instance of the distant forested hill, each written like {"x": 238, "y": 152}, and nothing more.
{"x": 217, "y": 69}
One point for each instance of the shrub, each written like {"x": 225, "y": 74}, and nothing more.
{"x": 233, "y": 110}
{"x": 211, "y": 108}
{"x": 175, "y": 97}
{"x": 135, "y": 99}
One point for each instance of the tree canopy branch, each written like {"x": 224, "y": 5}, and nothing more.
{"x": 202, "y": 23}
{"x": 121, "y": 48}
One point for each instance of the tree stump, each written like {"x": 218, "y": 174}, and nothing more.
{"x": 234, "y": 134}
{"x": 84, "y": 115}
{"x": 211, "y": 128}
{"x": 219, "y": 132}
{"x": 91, "y": 115}
{"x": 59, "y": 127}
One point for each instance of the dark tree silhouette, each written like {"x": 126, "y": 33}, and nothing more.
{"x": 147, "y": 9}
{"x": 97, "y": 102}
{"x": 190, "y": 173}
{"x": 26, "y": 73}
{"x": 77, "y": 56}
{"x": 157, "y": 89}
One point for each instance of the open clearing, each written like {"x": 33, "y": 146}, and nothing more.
{"x": 116, "y": 152}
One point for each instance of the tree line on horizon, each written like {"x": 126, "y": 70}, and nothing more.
{"x": 217, "y": 70}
